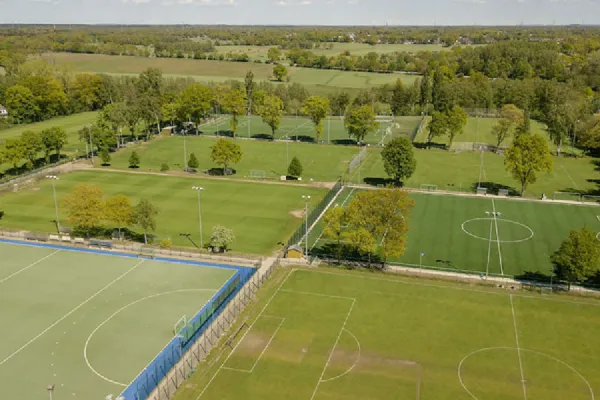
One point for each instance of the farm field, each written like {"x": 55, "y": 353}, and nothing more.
{"x": 89, "y": 323}
{"x": 326, "y": 334}
{"x": 460, "y": 172}
{"x": 259, "y": 214}
{"x": 218, "y": 71}
{"x": 71, "y": 124}
{"x": 460, "y": 233}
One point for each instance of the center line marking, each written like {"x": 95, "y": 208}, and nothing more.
{"x": 518, "y": 347}
{"x": 498, "y": 238}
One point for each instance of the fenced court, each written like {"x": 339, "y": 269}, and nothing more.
{"x": 90, "y": 323}
{"x": 489, "y": 235}
{"x": 325, "y": 334}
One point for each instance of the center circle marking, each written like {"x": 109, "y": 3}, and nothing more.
{"x": 487, "y": 239}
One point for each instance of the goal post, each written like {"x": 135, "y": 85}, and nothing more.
{"x": 180, "y": 325}
{"x": 428, "y": 187}
{"x": 147, "y": 252}
{"x": 258, "y": 174}
{"x": 567, "y": 196}
{"x": 590, "y": 199}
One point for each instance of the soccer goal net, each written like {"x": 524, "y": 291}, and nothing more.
{"x": 590, "y": 199}
{"x": 258, "y": 174}
{"x": 146, "y": 252}
{"x": 358, "y": 159}
{"x": 567, "y": 196}
{"x": 429, "y": 188}
{"x": 481, "y": 191}
{"x": 180, "y": 325}
{"x": 503, "y": 192}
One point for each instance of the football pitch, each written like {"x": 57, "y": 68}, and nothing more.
{"x": 485, "y": 234}
{"x": 89, "y": 323}
{"x": 327, "y": 334}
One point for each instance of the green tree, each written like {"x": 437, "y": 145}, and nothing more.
{"x": 528, "y": 155}
{"x": 511, "y": 117}
{"x": 86, "y": 91}
{"x": 113, "y": 117}
{"x": 118, "y": 210}
{"x": 226, "y": 152}
{"x": 274, "y": 54}
{"x": 193, "y": 161}
{"x": 164, "y": 167}
{"x": 221, "y": 238}
{"x": 280, "y": 72}
{"x": 21, "y": 104}
{"x": 32, "y": 145}
{"x": 134, "y": 160}
{"x": 333, "y": 228}
{"x": 295, "y": 168}
{"x": 85, "y": 207}
{"x": 271, "y": 112}
{"x": 578, "y": 257}
{"x": 195, "y": 103}
{"x": 145, "y": 217}
{"x": 559, "y": 124}
{"x": 249, "y": 84}
{"x": 456, "y": 119}
{"x": 105, "y": 157}
{"x": 361, "y": 121}
{"x": 398, "y": 159}
{"x": 437, "y": 126}
{"x": 12, "y": 152}
{"x": 132, "y": 116}
{"x": 317, "y": 109}
{"x": 235, "y": 102}
{"x": 100, "y": 138}
{"x": 53, "y": 139}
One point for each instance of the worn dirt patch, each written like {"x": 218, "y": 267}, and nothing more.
{"x": 297, "y": 214}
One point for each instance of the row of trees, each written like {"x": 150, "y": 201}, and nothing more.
{"x": 29, "y": 146}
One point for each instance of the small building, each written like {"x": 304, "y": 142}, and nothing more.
{"x": 294, "y": 251}
{"x": 3, "y": 111}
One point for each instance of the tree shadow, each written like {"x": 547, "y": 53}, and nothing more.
{"x": 262, "y": 136}
{"x": 378, "y": 182}
{"x": 350, "y": 258}
{"x": 303, "y": 138}
{"x": 345, "y": 142}
{"x": 427, "y": 146}
{"x": 225, "y": 133}
{"x": 134, "y": 167}
{"x": 494, "y": 188}
{"x": 217, "y": 171}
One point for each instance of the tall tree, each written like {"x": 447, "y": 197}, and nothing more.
{"x": 32, "y": 145}
{"x": 85, "y": 207}
{"x": 333, "y": 228}
{"x": 118, "y": 210}
{"x": 249, "y": 83}
{"x": 398, "y": 101}
{"x": 559, "y": 124}
{"x": 145, "y": 217}
{"x": 578, "y": 257}
{"x": 13, "y": 151}
{"x": 21, "y": 104}
{"x": 235, "y": 102}
{"x": 195, "y": 103}
{"x": 271, "y": 112}
{"x": 280, "y": 72}
{"x": 360, "y": 121}
{"x": 437, "y": 126}
{"x": 53, "y": 139}
{"x": 225, "y": 153}
{"x": 317, "y": 109}
{"x": 398, "y": 159}
{"x": 511, "y": 117}
{"x": 85, "y": 91}
{"x": 528, "y": 155}
{"x": 456, "y": 119}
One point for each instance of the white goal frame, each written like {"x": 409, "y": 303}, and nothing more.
{"x": 429, "y": 188}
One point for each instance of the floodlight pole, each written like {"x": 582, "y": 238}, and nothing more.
{"x": 199, "y": 189}
{"x": 306, "y": 199}
{"x": 55, "y": 178}
{"x": 91, "y": 144}
{"x": 50, "y": 389}
{"x": 249, "y": 111}
{"x": 329, "y": 129}
{"x": 480, "y": 167}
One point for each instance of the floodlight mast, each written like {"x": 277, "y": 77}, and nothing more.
{"x": 199, "y": 189}
{"x": 54, "y": 178}
{"x": 306, "y": 200}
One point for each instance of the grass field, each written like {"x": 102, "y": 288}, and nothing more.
{"x": 460, "y": 172}
{"x": 259, "y": 214}
{"x": 323, "y": 334}
{"x": 459, "y": 233}
{"x": 207, "y": 70}
{"x": 80, "y": 321}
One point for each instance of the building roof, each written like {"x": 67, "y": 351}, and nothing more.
{"x": 296, "y": 247}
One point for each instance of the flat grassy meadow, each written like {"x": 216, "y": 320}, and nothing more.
{"x": 260, "y": 214}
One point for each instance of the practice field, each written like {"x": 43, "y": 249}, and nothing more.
{"x": 323, "y": 334}
{"x": 89, "y": 323}
{"x": 260, "y": 214}
{"x": 462, "y": 233}
{"x": 462, "y": 171}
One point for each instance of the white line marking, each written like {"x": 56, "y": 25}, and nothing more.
{"x": 353, "y": 365}
{"x": 27, "y": 267}
{"x": 87, "y": 342}
{"x": 236, "y": 370}
{"x": 518, "y": 348}
{"x": 570, "y": 177}
{"x": 487, "y": 268}
{"x": 70, "y": 312}
{"x": 267, "y": 346}
{"x": 333, "y": 349}
{"x": 319, "y": 294}
{"x": 242, "y": 338}
{"x": 498, "y": 238}
{"x": 344, "y": 202}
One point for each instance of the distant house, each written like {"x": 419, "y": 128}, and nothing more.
{"x": 3, "y": 111}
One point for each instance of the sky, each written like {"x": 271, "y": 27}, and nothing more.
{"x": 302, "y": 12}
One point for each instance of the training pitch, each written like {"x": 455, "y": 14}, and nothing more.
{"x": 322, "y": 334}
{"x": 89, "y": 323}
{"x": 486, "y": 234}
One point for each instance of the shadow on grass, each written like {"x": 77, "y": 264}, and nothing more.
{"x": 345, "y": 142}
{"x": 303, "y": 138}
{"x": 349, "y": 257}
{"x": 225, "y": 133}
{"x": 262, "y": 136}
{"x": 378, "y": 182}
{"x": 432, "y": 145}
{"x": 220, "y": 172}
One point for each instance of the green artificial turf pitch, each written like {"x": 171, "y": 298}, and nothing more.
{"x": 460, "y": 233}
{"x": 260, "y": 214}
{"x": 80, "y": 321}
{"x": 362, "y": 335}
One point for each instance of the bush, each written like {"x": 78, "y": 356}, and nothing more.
{"x": 134, "y": 160}
{"x": 193, "y": 161}
{"x": 105, "y": 156}
{"x": 166, "y": 244}
{"x": 295, "y": 168}
{"x": 164, "y": 167}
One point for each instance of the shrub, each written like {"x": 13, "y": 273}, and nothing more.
{"x": 164, "y": 167}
